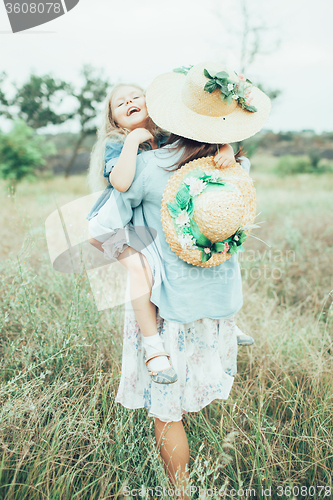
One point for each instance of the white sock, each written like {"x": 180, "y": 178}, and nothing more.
{"x": 152, "y": 345}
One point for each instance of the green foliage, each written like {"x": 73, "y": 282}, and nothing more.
{"x": 314, "y": 157}
{"x": 291, "y": 165}
{"x": 38, "y": 99}
{"x": 21, "y": 153}
{"x": 89, "y": 96}
{"x": 3, "y": 101}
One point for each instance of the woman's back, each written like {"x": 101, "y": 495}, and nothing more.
{"x": 187, "y": 292}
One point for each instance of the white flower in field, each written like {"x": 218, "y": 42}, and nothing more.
{"x": 183, "y": 219}
{"x": 230, "y": 86}
{"x": 195, "y": 185}
{"x": 186, "y": 241}
{"x": 42, "y": 375}
{"x": 234, "y": 96}
{"x": 32, "y": 407}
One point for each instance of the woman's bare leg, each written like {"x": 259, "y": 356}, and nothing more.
{"x": 172, "y": 443}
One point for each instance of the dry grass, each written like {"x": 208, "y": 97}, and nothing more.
{"x": 62, "y": 437}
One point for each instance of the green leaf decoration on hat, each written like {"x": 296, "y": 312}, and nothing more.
{"x": 229, "y": 89}
{"x": 174, "y": 209}
{"x": 183, "y": 196}
{"x": 183, "y": 69}
{"x": 181, "y": 211}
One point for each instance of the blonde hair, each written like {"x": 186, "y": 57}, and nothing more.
{"x": 109, "y": 129}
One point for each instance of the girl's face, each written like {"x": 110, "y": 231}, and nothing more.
{"x": 128, "y": 107}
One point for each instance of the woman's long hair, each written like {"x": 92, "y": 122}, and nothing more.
{"x": 110, "y": 130}
{"x": 192, "y": 150}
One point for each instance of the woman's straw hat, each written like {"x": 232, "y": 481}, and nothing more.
{"x": 207, "y": 213}
{"x": 207, "y": 103}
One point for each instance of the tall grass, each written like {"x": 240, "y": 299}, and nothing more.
{"x": 62, "y": 436}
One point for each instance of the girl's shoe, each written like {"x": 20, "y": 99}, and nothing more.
{"x": 166, "y": 376}
{"x": 244, "y": 339}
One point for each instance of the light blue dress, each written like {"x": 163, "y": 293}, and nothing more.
{"x": 195, "y": 305}
{"x": 187, "y": 292}
{"x": 112, "y": 152}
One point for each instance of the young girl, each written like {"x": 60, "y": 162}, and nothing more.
{"x": 126, "y": 131}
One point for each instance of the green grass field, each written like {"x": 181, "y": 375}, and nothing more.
{"x": 62, "y": 436}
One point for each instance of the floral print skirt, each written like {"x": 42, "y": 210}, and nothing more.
{"x": 203, "y": 353}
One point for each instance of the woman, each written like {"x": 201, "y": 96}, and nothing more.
{"x": 196, "y": 304}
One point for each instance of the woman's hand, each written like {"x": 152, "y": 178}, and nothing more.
{"x": 225, "y": 157}
{"x": 141, "y": 135}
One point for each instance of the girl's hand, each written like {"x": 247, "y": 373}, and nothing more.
{"x": 225, "y": 157}
{"x": 141, "y": 135}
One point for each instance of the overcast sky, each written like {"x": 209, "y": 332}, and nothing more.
{"x": 136, "y": 40}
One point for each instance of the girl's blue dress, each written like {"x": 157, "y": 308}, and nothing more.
{"x": 113, "y": 149}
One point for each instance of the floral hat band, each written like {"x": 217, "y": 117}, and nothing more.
{"x": 231, "y": 91}
{"x": 207, "y": 102}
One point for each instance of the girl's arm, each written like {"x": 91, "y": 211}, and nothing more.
{"x": 122, "y": 174}
{"x": 225, "y": 157}
{"x": 118, "y": 209}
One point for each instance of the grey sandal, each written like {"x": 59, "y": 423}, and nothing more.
{"x": 166, "y": 376}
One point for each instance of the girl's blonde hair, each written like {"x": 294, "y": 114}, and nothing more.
{"x": 109, "y": 130}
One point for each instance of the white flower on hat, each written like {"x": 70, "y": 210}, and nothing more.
{"x": 234, "y": 96}
{"x": 183, "y": 219}
{"x": 195, "y": 185}
{"x": 186, "y": 241}
{"x": 230, "y": 86}
{"x": 215, "y": 176}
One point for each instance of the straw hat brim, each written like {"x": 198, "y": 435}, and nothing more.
{"x": 234, "y": 175}
{"x": 167, "y": 110}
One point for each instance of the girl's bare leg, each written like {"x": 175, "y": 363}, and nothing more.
{"x": 172, "y": 443}
{"x": 141, "y": 281}
{"x": 141, "y": 284}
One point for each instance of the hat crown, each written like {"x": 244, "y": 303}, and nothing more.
{"x": 199, "y": 100}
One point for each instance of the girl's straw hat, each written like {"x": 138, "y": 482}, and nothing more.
{"x": 207, "y": 213}
{"x": 207, "y": 103}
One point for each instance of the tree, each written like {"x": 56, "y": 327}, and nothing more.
{"x": 249, "y": 33}
{"x": 3, "y": 100}
{"x": 89, "y": 96}
{"x": 22, "y": 151}
{"x": 37, "y": 101}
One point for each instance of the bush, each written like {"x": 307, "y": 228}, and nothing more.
{"x": 22, "y": 152}
{"x": 291, "y": 165}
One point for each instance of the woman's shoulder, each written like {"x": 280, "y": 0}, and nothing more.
{"x": 245, "y": 163}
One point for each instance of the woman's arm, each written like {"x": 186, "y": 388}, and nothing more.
{"x": 225, "y": 157}
{"x": 122, "y": 174}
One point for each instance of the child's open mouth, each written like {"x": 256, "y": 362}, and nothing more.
{"x": 132, "y": 110}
